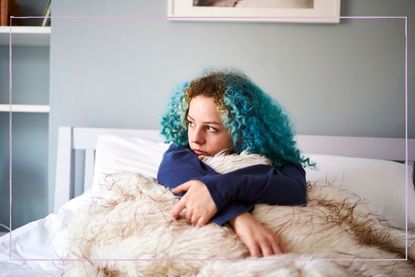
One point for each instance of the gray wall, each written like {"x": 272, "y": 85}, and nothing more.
{"x": 341, "y": 79}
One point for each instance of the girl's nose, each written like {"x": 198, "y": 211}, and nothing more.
{"x": 198, "y": 136}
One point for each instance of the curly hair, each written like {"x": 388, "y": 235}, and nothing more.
{"x": 256, "y": 122}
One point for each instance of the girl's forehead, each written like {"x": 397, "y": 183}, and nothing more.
{"x": 204, "y": 108}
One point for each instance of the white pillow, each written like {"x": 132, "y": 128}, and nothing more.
{"x": 381, "y": 182}
{"x": 122, "y": 153}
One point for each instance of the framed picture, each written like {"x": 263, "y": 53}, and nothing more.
{"x": 302, "y": 11}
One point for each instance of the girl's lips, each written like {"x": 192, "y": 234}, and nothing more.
{"x": 199, "y": 152}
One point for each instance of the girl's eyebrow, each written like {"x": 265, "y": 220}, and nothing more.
{"x": 206, "y": 122}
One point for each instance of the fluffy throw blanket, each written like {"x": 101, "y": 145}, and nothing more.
{"x": 128, "y": 231}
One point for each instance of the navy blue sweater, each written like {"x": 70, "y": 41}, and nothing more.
{"x": 235, "y": 192}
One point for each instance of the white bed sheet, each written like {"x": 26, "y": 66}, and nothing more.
{"x": 36, "y": 245}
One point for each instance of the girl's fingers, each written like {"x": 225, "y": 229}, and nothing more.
{"x": 267, "y": 249}
{"x": 202, "y": 221}
{"x": 178, "y": 208}
{"x": 277, "y": 249}
{"x": 182, "y": 188}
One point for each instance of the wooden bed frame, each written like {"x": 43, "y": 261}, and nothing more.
{"x": 78, "y": 138}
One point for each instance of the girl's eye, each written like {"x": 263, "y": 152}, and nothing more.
{"x": 190, "y": 123}
{"x": 212, "y": 129}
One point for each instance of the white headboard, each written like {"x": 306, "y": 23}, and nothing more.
{"x": 79, "y": 138}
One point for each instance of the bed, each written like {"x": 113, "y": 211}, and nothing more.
{"x": 351, "y": 163}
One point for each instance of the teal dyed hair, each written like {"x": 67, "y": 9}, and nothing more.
{"x": 256, "y": 122}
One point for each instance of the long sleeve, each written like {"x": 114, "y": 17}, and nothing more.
{"x": 259, "y": 184}
{"x": 235, "y": 192}
{"x": 180, "y": 165}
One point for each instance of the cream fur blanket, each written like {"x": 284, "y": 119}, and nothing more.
{"x": 128, "y": 231}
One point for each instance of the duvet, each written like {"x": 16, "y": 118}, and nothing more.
{"x": 128, "y": 231}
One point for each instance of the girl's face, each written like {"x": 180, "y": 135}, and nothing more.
{"x": 206, "y": 134}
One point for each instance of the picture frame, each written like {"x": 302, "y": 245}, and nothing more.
{"x": 300, "y": 11}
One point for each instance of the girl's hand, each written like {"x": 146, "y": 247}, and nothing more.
{"x": 197, "y": 201}
{"x": 260, "y": 240}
